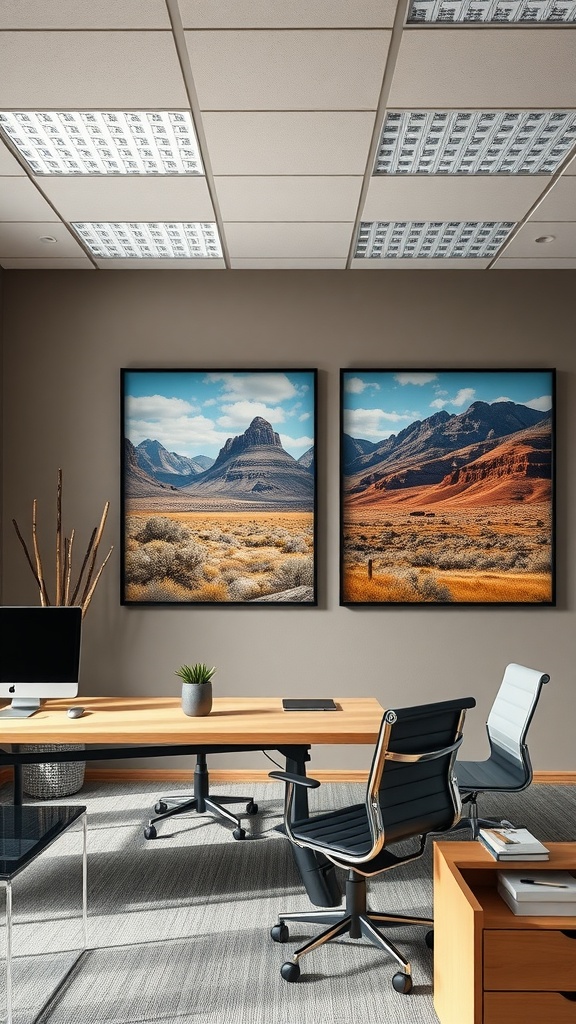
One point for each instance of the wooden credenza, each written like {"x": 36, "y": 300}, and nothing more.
{"x": 491, "y": 966}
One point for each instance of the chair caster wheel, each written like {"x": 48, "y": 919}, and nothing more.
{"x": 290, "y": 971}
{"x": 429, "y": 939}
{"x": 402, "y": 983}
{"x": 251, "y": 807}
{"x": 280, "y": 933}
{"x": 150, "y": 832}
{"x": 160, "y": 807}
{"x": 239, "y": 833}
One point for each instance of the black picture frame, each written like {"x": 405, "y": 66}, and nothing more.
{"x": 218, "y": 487}
{"x": 447, "y": 487}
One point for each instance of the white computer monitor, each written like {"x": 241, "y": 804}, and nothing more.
{"x": 39, "y": 656}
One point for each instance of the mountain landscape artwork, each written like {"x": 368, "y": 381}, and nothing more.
{"x": 219, "y": 486}
{"x": 447, "y": 487}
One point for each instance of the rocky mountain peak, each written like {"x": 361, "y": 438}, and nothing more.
{"x": 258, "y": 434}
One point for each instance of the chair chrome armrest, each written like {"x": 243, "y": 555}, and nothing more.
{"x": 297, "y": 780}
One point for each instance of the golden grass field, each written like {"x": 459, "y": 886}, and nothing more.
{"x": 212, "y": 556}
{"x": 494, "y": 554}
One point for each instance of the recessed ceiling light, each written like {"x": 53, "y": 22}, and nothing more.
{"x": 107, "y": 142}
{"x": 150, "y": 241}
{"x": 431, "y": 239}
{"x": 495, "y": 11}
{"x": 545, "y": 238}
{"x": 475, "y": 142}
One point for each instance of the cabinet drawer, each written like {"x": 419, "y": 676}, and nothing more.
{"x": 535, "y": 959}
{"x": 528, "y": 1008}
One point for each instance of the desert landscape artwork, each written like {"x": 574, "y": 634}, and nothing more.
{"x": 219, "y": 486}
{"x": 447, "y": 487}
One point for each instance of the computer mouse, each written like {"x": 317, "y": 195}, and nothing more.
{"x": 75, "y": 712}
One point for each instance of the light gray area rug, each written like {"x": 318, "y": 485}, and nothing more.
{"x": 179, "y": 927}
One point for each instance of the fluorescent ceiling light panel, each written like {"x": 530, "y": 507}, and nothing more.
{"x": 431, "y": 239}
{"x": 150, "y": 241}
{"x": 494, "y": 11}
{"x": 475, "y": 142}
{"x": 108, "y": 142}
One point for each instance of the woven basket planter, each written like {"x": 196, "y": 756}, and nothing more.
{"x": 54, "y": 779}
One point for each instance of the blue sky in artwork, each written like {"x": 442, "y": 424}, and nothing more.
{"x": 193, "y": 412}
{"x": 379, "y": 403}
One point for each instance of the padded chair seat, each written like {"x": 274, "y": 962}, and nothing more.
{"x": 484, "y": 776}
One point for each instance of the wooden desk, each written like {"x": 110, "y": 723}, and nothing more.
{"x": 258, "y": 721}
{"x": 490, "y": 965}
{"x": 157, "y": 727}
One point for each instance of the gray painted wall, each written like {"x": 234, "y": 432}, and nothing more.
{"x": 67, "y": 334}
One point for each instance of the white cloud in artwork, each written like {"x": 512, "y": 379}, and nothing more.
{"x": 157, "y": 407}
{"x": 419, "y": 379}
{"x": 304, "y": 416}
{"x": 355, "y": 385}
{"x": 503, "y": 398}
{"x": 239, "y": 415}
{"x": 289, "y": 443}
{"x": 186, "y": 435}
{"x": 542, "y": 404}
{"x": 462, "y": 397}
{"x": 371, "y": 422}
{"x": 263, "y": 387}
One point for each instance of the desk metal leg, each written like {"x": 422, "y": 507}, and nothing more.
{"x": 316, "y": 871}
{"x": 17, "y": 790}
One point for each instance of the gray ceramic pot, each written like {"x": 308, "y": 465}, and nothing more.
{"x": 196, "y": 699}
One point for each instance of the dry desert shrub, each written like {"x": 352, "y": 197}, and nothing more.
{"x": 161, "y": 528}
{"x": 295, "y": 545}
{"x": 244, "y": 588}
{"x": 157, "y": 592}
{"x": 210, "y": 592}
{"x": 293, "y": 572}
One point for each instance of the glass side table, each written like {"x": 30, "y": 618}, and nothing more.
{"x": 25, "y": 832}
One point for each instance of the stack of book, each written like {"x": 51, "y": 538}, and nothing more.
{"x": 538, "y": 893}
{"x": 512, "y": 844}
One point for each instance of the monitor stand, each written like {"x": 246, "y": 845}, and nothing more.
{"x": 21, "y": 707}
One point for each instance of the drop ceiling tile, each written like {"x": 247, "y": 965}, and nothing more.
{"x": 263, "y": 241}
{"x": 71, "y": 14}
{"x": 101, "y": 70}
{"x": 496, "y": 68}
{"x": 288, "y": 198}
{"x": 288, "y": 70}
{"x": 451, "y": 198}
{"x": 523, "y": 244}
{"x": 23, "y": 240}
{"x": 417, "y": 264}
{"x": 288, "y": 14}
{"x": 535, "y": 264}
{"x": 288, "y": 264}
{"x": 560, "y": 203}
{"x": 215, "y": 264}
{"x": 120, "y": 198}
{"x": 67, "y": 263}
{"x": 288, "y": 142}
{"x": 8, "y": 163}
{"x": 20, "y": 200}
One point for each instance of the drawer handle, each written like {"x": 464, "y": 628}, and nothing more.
{"x": 570, "y": 996}
{"x": 569, "y": 933}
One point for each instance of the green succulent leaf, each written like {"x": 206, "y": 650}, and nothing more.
{"x": 198, "y": 673}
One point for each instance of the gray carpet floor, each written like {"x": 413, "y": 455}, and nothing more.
{"x": 179, "y": 926}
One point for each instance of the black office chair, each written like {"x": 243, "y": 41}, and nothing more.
{"x": 411, "y": 792}
{"x": 201, "y": 802}
{"x": 508, "y": 769}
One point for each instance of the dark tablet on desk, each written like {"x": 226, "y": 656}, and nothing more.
{"x": 305, "y": 704}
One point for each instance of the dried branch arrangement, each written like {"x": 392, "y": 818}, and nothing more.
{"x": 66, "y": 594}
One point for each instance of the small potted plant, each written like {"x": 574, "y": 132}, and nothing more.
{"x": 196, "y": 689}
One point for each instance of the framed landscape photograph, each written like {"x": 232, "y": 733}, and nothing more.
{"x": 218, "y": 486}
{"x": 447, "y": 487}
